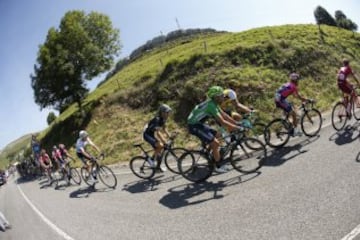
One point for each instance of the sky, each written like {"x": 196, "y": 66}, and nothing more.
{"x": 24, "y": 25}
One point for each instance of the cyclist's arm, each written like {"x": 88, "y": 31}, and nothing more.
{"x": 240, "y": 107}
{"x": 159, "y": 136}
{"x": 226, "y": 121}
{"x": 356, "y": 79}
{"x": 94, "y": 145}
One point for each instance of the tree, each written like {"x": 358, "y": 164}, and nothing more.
{"x": 323, "y": 17}
{"x": 51, "y": 117}
{"x": 83, "y": 47}
{"x": 343, "y": 22}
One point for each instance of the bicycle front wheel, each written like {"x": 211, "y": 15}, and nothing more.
{"x": 74, "y": 176}
{"x": 107, "y": 176}
{"x": 257, "y": 131}
{"x": 195, "y": 166}
{"x": 141, "y": 168}
{"x": 171, "y": 159}
{"x": 277, "y": 133}
{"x": 338, "y": 116}
{"x": 311, "y": 122}
{"x": 356, "y": 106}
{"x": 247, "y": 159}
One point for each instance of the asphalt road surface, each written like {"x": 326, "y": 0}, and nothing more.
{"x": 306, "y": 190}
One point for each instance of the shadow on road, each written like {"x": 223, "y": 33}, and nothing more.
{"x": 148, "y": 185}
{"x": 349, "y": 134}
{"x": 196, "y": 193}
{"x": 277, "y": 157}
{"x": 86, "y": 191}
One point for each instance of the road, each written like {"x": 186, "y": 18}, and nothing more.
{"x": 307, "y": 190}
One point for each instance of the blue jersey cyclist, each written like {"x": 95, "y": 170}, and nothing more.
{"x": 210, "y": 108}
{"x": 154, "y": 133}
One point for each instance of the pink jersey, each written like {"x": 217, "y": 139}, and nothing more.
{"x": 56, "y": 154}
{"x": 343, "y": 73}
{"x": 287, "y": 89}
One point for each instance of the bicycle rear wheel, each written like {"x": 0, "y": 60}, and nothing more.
{"x": 107, "y": 176}
{"x": 247, "y": 159}
{"x": 338, "y": 116}
{"x": 75, "y": 176}
{"x": 311, "y": 122}
{"x": 277, "y": 133}
{"x": 171, "y": 159}
{"x": 141, "y": 168}
{"x": 195, "y": 166}
{"x": 86, "y": 176}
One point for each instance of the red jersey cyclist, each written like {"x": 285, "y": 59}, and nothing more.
{"x": 211, "y": 109}
{"x": 343, "y": 83}
{"x": 45, "y": 163}
{"x": 281, "y": 102}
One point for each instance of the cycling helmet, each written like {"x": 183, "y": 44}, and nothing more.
{"x": 61, "y": 146}
{"x": 294, "y": 76}
{"x": 83, "y": 134}
{"x": 346, "y": 62}
{"x": 215, "y": 91}
{"x": 165, "y": 108}
{"x": 54, "y": 147}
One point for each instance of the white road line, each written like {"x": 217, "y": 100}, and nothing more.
{"x": 352, "y": 234}
{"x": 46, "y": 220}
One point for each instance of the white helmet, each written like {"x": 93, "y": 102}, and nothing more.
{"x": 83, "y": 134}
{"x": 294, "y": 76}
{"x": 165, "y": 108}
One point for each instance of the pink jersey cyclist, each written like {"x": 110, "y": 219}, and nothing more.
{"x": 283, "y": 92}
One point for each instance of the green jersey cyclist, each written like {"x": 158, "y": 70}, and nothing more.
{"x": 211, "y": 108}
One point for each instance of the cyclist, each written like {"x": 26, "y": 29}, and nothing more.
{"x": 45, "y": 163}
{"x": 84, "y": 156}
{"x": 343, "y": 83}
{"x": 231, "y": 102}
{"x": 55, "y": 155}
{"x": 282, "y": 93}
{"x": 64, "y": 159}
{"x": 35, "y": 146}
{"x": 154, "y": 134}
{"x": 203, "y": 111}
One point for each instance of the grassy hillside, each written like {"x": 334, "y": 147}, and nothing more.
{"x": 254, "y": 62}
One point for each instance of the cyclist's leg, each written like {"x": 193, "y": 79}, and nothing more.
{"x": 207, "y": 135}
{"x": 152, "y": 141}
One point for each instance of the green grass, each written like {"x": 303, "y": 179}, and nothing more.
{"x": 255, "y": 62}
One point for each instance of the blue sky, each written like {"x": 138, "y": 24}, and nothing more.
{"x": 24, "y": 25}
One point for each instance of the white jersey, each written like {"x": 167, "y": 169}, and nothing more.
{"x": 80, "y": 144}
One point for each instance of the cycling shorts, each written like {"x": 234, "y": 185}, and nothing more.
{"x": 150, "y": 139}
{"x": 205, "y": 133}
{"x": 82, "y": 157}
{"x": 345, "y": 87}
{"x": 282, "y": 103}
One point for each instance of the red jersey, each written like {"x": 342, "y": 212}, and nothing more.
{"x": 343, "y": 74}
{"x": 44, "y": 158}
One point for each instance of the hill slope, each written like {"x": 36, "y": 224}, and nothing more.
{"x": 255, "y": 62}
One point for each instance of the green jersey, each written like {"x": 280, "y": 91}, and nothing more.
{"x": 203, "y": 111}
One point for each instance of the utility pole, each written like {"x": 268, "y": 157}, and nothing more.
{"x": 177, "y": 23}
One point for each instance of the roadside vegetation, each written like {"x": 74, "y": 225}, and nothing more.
{"x": 254, "y": 62}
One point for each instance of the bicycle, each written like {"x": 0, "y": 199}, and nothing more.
{"x": 339, "y": 115}
{"x": 68, "y": 174}
{"x": 278, "y": 131}
{"x": 99, "y": 171}
{"x": 141, "y": 165}
{"x": 254, "y": 127}
{"x": 198, "y": 165}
